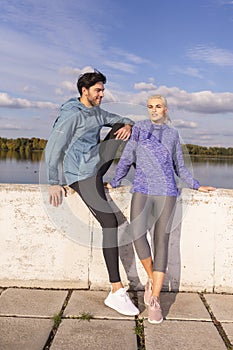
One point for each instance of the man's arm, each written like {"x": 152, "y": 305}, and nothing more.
{"x": 111, "y": 119}
{"x": 59, "y": 140}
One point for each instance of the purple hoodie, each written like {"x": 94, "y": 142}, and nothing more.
{"x": 158, "y": 155}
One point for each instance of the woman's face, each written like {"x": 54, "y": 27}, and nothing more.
{"x": 156, "y": 110}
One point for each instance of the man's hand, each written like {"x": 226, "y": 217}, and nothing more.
{"x": 123, "y": 133}
{"x": 56, "y": 193}
{"x": 206, "y": 189}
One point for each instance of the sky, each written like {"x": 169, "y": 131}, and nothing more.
{"x": 180, "y": 49}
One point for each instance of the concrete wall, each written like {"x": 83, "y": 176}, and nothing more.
{"x": 42, "y": 246}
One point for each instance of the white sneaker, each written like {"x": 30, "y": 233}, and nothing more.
{"x": 121, "y": 302}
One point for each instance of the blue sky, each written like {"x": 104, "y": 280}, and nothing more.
{"x": 181, "y": 49}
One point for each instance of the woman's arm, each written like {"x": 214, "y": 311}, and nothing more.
{"x": 127, "y": 158}
{"x": 183, "y": 173}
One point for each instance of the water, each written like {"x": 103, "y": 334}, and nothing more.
{"x": 216, "y": 172}
{"x": 22, "y": 169}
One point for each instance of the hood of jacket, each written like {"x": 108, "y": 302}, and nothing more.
{"x": 74, "y": 102}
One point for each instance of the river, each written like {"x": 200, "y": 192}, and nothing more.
{"x": 19, "y": 169}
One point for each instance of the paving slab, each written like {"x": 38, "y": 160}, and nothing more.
{"x": 183, "y": 335}
{"x": 24, "y": 333}
{"x": 228, "y": 328}
{"x": 91, "y": 302}
{"x": 95, "y": 334}
{"x": 31, "y": 302}
{"x": 221, "y": 306}
{"x": 181, "y": 306}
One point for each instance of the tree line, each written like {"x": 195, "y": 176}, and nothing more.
{"x": 37, "y": 144}
{"x": 22, "y": 144}
{"x": 195, "y": 150}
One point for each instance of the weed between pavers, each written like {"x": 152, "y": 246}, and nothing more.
{"x": 139, "y": 331}
{"x": 57, "y": 320}
{"x": 86, "y": 316}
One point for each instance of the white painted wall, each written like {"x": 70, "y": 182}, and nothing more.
{"x": 42, "y": 246}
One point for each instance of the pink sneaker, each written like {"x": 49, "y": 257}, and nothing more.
{"x": 154, "y": 311}
{"x": 148, "y": 291}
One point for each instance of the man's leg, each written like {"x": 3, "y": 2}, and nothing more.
{"x": 108, "y": 149}
{"x": 92, "y": 192}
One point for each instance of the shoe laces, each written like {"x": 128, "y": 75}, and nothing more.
{"x": 149, "y": 284}
{"x": 124, "y": 294}
{"x": 155, "y": 303}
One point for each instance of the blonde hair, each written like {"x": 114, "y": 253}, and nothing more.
{"x": 167, "y": 119}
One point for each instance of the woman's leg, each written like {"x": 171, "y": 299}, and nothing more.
{"x": 163, "y": 217}
{"x": 165, "y": 207}
{"x": 140, "y": 212}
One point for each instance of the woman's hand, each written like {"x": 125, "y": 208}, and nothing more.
{"x": 56, "y": 193}
{"x": 206, "y": 189}
{"x": 107, "y": 185}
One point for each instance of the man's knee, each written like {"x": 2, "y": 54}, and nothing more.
{"x": 109, "y": 221}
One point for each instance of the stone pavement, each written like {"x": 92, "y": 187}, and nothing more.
{"x": 41, "y": 319}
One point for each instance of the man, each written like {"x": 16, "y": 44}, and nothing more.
{"x": 75, "y": 141}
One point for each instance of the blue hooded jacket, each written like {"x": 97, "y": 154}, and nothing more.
{"x": 74, "y": 141}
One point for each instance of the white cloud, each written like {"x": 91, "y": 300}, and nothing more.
{"x": 126, "y": 62}
{"x": 17, "y": 103}
{"x": 122, "y": 66}
{"x": 109, "y": 96}
{"x": 226, "y": 2}
{"x": 189, "y": 71}
{"x": 205, "y": 102}
{"x": 213, "y": 55}
{"x": 69, "y": 86}
{"x": 26, "y": 89}
{"x": 206, "y": 137}
{"x": 75, "y": 71}
{"x": 144, "y": 86}
{"x": 10, "y": 127}
{"x": 182, "y": 124}
{"x": 128, "y": 56}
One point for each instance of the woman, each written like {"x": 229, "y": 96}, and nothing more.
{"x": 155, "y": 148}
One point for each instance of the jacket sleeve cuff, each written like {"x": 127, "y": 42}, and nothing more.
{"x": 54, "y": 182}
{"x": 114, "y": 183}
{"x": 196, "y": 185}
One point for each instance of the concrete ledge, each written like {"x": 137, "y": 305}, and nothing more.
{"x": 48, "y": 247}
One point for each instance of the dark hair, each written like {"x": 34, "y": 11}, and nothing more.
{"x": 89, "y": 79}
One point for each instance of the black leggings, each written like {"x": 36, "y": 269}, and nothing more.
{"x": 92, "y": 192}
{"x": 148, "y": 211}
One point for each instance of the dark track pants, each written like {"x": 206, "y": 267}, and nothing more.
{"x": 92, "y": 192}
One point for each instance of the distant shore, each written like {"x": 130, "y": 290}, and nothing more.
{"x": 26, "y": 145}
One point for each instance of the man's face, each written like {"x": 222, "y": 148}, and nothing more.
{"x": 94, "y": 94}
